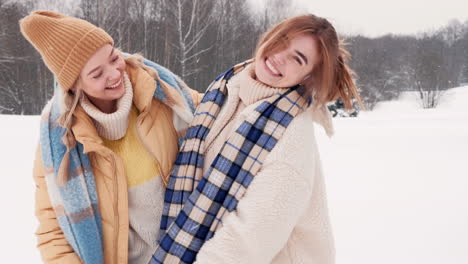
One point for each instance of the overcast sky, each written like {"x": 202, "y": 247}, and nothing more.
{"x": 375, "y": 18}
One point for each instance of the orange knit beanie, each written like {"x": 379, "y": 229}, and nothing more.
{"x": 65, "y": 43}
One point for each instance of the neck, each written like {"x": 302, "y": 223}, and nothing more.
{"x": 105, "y": 106}
{"x": 110, "y": 117}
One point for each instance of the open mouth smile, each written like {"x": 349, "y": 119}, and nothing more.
{"x": 115, "y": 85}
{"x": 272, "y": 69}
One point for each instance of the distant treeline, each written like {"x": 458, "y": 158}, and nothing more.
{"x": 198, "y": 39}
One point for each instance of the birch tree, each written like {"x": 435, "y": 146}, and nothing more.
{"x": 236, "y": 34}
{"x": 191, "y": 20}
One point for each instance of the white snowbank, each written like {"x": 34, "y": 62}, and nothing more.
{"x": 396, "y": 180}
{"x": 18, "y": 139}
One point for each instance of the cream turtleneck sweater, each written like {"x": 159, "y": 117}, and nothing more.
{"x": 242, "y": 90}
{"x": 111, "y": 126}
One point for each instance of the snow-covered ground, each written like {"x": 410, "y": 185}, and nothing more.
{"x": 397, "y": 184}
{"x": 18, "y": 139}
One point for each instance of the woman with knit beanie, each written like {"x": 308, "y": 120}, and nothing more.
{"x": 109, "y": 139}
{"x": 247, "y": 186}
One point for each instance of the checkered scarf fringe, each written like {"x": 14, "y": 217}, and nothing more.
{"x": 195, "y": 203}
{"x": 75, "y": 201}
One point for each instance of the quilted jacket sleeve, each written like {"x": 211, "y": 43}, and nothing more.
{"x": 52, "y": 244}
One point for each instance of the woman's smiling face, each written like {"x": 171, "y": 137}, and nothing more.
{"x": 101, "y": 78}
{"x": 289, "y": 66}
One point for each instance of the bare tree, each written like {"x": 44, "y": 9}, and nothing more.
{"x": 191, "y": 20}
{"x": 429, "y": 75}
{"x": 276, "y": 10}
{"x": 236, "y": 35}
{"x": 16, "y": 71}
{"x": 380, "y": 66}
{"x": 68, "y": 7}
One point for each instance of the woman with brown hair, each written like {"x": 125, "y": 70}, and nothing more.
{"x": 247, "y": 186}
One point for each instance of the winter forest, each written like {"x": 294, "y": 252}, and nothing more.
{"x": 201, "y": 38}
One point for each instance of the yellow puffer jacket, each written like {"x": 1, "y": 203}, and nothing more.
{"x": 156, "y": 132}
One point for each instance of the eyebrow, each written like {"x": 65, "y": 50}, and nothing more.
{"x": 97, "y": 68}
{"x": 302, "y": 56}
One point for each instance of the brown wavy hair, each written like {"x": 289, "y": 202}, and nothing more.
{"x": 333, "y": 78}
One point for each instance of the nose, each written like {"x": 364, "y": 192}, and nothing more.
{"x": 114, "y": 74}
{"x": 279, "y": 58}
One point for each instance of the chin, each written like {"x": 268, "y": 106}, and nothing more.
{"x": 120, "y": 95}
{"x": 270, "y": 84}
{"x": 122, "y": 91}
{"x": 267, "y": 80}
{"x": 262, "y": 76}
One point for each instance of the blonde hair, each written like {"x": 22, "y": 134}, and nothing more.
{"x": 70, "y": 101}
{"x": 333, "y": 78}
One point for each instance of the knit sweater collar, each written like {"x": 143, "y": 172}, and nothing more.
{"x": 252, "y": 90}
{"x": 111, "y": 126}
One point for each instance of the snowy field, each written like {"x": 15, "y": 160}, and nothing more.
{"x": 397, "y": 184}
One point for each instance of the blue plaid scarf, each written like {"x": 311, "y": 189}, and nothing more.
{"x": 196, "y": 202}
{"x": 69, "y": 175}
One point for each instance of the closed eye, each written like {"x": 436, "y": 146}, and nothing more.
{"x": 298, "y": 60}
{"x": 303, "y": 57}
{"x": 97, "y": 76}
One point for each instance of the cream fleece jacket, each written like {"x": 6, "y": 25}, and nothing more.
{"x": 283, "y": 217}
